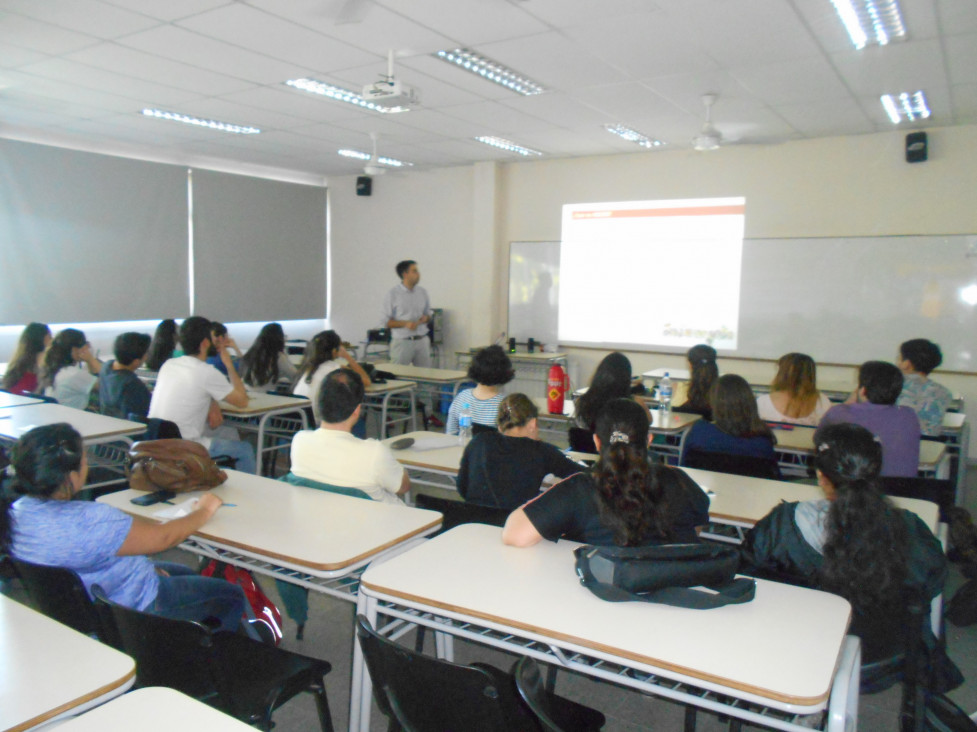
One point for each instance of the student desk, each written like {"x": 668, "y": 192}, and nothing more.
{"x": 785, "y": 652}
{"x": 795, "y": 447}
{"x": 154, "y": 709}
{"x": 48, "y": 670}
{"x": 435, "y": 379}
{"x": 265, "y": 415}
{"x": 16, "y": 400}
{"x": 378, "y": 399}
{"x": 308, "y": 537}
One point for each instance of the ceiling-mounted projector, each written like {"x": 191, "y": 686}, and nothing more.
{"x": 389, "y": 94}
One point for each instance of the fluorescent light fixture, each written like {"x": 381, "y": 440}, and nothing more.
{"x": 359, "y": 155}
{"x": 340, "y": 95}
{"x": 626, "y": 133}
{"x": 871, "y": 21}
{"x": 491, "y": 70}
{"x": 508, "y": 146}
{"x": 905, "y": 107}
{"x": 208, "y": 123}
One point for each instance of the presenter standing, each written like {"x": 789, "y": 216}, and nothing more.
{"x": 407, "y": 312}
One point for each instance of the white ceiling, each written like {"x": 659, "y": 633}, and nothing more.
{"x": 78, "y": 72}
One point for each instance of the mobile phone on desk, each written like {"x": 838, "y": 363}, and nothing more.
{"x": 150, "y": 499}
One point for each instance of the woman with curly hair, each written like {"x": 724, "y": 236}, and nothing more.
{"x": 490, "y": 369}
{"x": 64, "y": 377}
{"x": 625, "y": 500}
{"x": 27, "y": 361}
{"x": 266, "y": 361}
{"x": 852, "y": 543}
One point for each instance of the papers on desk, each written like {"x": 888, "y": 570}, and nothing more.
{"x": 434, "y": 442}
{"x": 184, "y": 508}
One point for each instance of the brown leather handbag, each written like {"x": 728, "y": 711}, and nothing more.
{"x": 175, "y": 465}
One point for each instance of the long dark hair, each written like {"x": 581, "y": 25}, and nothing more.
{"x": 319, "y": 350}
{"x": 163, "y": 344}
{"x": 734, "y": 408}
{"x": 612, "y": 380}
{"x": 29, "y": 347}
{"x": 260, "y": 364}
{"x": 865, "y": 550}
{"x": 59, "y": 354}
{"x": 42, "y": 460}
{"x": 629, "y": 489}
{"x": 703, "y": 373}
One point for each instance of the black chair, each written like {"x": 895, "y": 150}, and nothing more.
{"x": 60, "y": 594}
{"x": 529, "y": 682}
{"x": 242, "y": 677}
{"x": 581, "y": 440}
{"x": 940, "y": 492}
{"x": 723, "y": 462}
{"x": 157, "y": 429}
{"x": 422, "y": 694}
{"x": 460, "y": 512}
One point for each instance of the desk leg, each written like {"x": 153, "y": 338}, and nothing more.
{"x": 383, "y": 416}
{"x": 413, "y": 410}
{"x": 843, "y": 704}
{"x": 361, "y": 685}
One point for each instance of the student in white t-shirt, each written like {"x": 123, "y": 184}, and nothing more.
{"x": 187, "y": 391}
{"x": 323, "y": 355}
{"x": 70, "y": 369}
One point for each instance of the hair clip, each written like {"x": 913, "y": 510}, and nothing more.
{"x": 824, "y": 447}
{"x": 619, "y": 437}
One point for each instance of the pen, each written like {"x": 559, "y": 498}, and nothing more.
{"x": 230, "y": 505}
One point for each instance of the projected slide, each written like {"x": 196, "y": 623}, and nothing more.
{"x": 651, "y": 273}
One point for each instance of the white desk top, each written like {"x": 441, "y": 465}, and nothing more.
{"x": 391, "y": 385}
{"x": 262, "y": 402}
{"x": 783, "y": 646}
{"x": 525, "y": 355}
{"x": 47, "y": 669}
{"x": 673, "y": 374}
{"x": 16, "y": 400}
{"x": 801, "y": 440}
{"x": 746, "y": 500}
{"x": 15, "y": 421}
{"x": 154, "y": 709}
{"x": 313, "y": 530}
{"x": 676, "y": 421}
{"x": 419, "y": 373}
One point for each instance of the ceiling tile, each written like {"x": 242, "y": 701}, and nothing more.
{"x": 961, "y": 58}
{"x": 791, "y": 81}
{"x": 84, "y": 16}
{"x": 469, "y": 22}
{"x": 170, "y": 9}
{"x": 897, "y": 67}
{"x": 30, "y": 33}
{"x": 12, "y": 57}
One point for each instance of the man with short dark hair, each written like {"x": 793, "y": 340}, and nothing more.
{"x": 917, "y": 358}
{"x": 120, "y": 392}
{"x": 187, "y": 391}
{"x": 407, "y": 312}
{"x": 333, "y": 455}
{"x": 897, "y": 428}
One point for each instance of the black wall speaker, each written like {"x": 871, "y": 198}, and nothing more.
{"x": 916, "y": 147}
{"x": 364, "y": 185}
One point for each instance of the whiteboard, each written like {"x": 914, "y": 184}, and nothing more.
{"x": 534, "y": 290}
{"x": 842, "y": 300}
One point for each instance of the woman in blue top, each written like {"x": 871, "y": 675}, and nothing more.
{"x": 102, "y": 544}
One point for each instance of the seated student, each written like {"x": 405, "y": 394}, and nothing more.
{"x": 879, "y": 385}
{"x": 163, "y": 345}
{"x": 625, "y": 500}
{"x": 703, "y": 373}
{"x": 220, "y": 338}
{"x": 324, "y": 354}
{"x": 853, "y": 542}
{"x": 332, "y": 455}
{"x": 917, "y": 358}
{"x": 506, "y": 468}
{"x": 120, "y": 391}
{"x": 102, "y": 544}
{"x": 187, "y": 391}
{"x": 490, "y": 369}
{"x": 611, "y": 380}
{"x": 64, "y": 377}
{"x": 736, "y": 428}
{"x": 794, "y": 397}
{"x": 28, "y": 360}
{"x": 266, "y": 361}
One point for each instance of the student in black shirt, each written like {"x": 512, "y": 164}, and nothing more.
{"x": 505, "y": 468}
{"x": 120, "y": 391}
{"x": 625, "y": 500}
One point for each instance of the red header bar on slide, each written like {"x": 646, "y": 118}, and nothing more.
{"x": 625, "y": 213}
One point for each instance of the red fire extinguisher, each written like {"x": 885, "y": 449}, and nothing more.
{"x": 557, "y": 385}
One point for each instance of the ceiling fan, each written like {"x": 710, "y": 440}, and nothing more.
{"x": 709, "y": 138}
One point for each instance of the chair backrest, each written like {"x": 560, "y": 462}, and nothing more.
{"x": 328, "y": 487}
{"x": 425, "y": 694}
{"x": 581, "y": 440}
{"x": 159, "y": 429}
{"x": 462, "y": 512}
{"x": 60, "y": 594}
{"x": 531, "y": 688}
{"x": 478, "y": 429}
{"x": 723, "y": 462}
{"x": 940, "y": 492}
{"x": 174, "y": 653}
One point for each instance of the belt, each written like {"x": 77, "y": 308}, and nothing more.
{"x": 412, "y": 338}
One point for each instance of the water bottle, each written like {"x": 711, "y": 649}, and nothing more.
{"x": 465, "y": 424}
{"x": 665, "y": 395}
